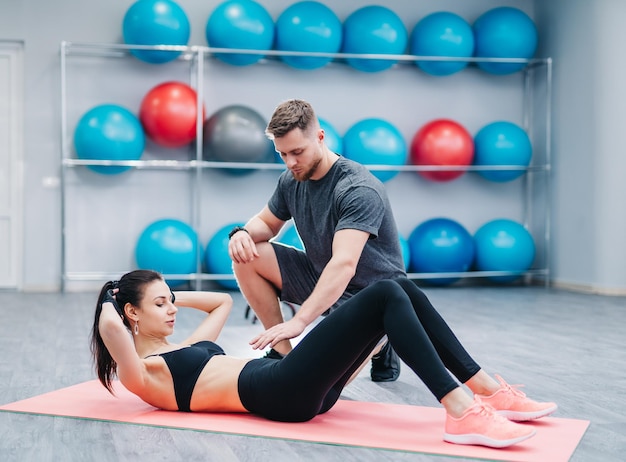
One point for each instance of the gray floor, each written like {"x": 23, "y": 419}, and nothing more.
{"x": 563, "y": 346}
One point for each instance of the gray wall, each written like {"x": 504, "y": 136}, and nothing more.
{"x": 586, "y": 249}
{"x": 585, "y": 41}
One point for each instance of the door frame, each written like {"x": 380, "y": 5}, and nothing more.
{"x": 13, "y": 52}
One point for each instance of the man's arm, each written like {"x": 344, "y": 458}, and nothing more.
{"x": 347, "y": 248}
{"x": 260, "y": 228}
{"x": 264, "y": 225}
{"x": 348, "y": 245}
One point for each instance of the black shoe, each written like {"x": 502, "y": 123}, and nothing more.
{"x": 385, "y": 365}
{"x": 273, "y": 354}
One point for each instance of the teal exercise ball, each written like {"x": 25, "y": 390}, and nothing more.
{"x": 406, "y": 251}
{"x": 308, "y": 27}
{"x": 441, "y": 245}
{"x": 373, "y": 29}
{"x": 504, "y": 245}
{"x": 109, "y": 132}
{"x": 504, "y": 32}
{"x": 376, "y": 141}
{"x": 442, "y": 34}
{"x": 243, "y": 25}
{"x": 289, "y": 236}
{"x": 502, "y": 143}
{"x": 169, "y": 246}
{"x": 332, "y": 138}
{"x": 216, "y": 257}
{"x": 155, "y": 22}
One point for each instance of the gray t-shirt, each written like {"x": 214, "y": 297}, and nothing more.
{"x": 347, "y": 197}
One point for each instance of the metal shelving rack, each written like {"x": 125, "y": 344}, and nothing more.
{"x": 538, "y": 172}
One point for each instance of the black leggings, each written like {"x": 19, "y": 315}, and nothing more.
{"x": 309, "y": 380}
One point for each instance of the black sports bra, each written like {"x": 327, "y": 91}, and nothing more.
{"x": 186, "y": 365}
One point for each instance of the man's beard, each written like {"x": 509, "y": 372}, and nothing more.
{"x": 309, "y": 173}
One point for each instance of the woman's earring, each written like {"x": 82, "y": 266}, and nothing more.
{"x": 136, "y": 327}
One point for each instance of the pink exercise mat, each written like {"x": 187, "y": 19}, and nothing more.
{"x": 350, "y": 423}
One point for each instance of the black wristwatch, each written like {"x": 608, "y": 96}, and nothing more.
{"x": 236, "y": 229}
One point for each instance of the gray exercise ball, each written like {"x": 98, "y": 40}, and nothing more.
{"x": 236, "y": 133}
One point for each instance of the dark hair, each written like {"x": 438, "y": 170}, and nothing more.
{"x": 131, "y": 290}
{"x": 291, "y": 114}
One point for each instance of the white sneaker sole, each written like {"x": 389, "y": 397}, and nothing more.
{"x": 482, "y": 440}
{"x": 522, "y": 416}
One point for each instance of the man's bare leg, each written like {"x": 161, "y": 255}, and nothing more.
{"x": 259, "y": 280}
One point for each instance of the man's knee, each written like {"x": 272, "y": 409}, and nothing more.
{"x": 265, "y": 266}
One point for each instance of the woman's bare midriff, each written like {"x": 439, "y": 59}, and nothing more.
{"x": 215, "y": 391}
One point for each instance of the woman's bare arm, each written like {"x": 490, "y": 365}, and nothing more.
{"x": 121, "y": 347}
{"x": 216, "y": 305}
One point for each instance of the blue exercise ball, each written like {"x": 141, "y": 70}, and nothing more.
{"x": 243, "y": 25}
{"x": 155, "y": 22}
{"x": 309, "y": 27}
{"x": 442, "y": 34}
{"x": 502, "y": 143}
{"x": 406, "y": 251}
{"x": 290, "y": 236}
{"x": 216, "y": 256}
{"x": 109, "y": 132}
{"x": 504, "y": 245}
{"x": 504, "y": 32}
{"x": 333, "y": 140}
{"x": 373, "y": 29}
{"x": 441, "y": 245}
{"x": 236, "y": 133}
{"x": 376, "y": 141}
{"x": 169, "y": 246}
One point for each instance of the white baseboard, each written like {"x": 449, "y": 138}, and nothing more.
{"x": 589, "y": 288}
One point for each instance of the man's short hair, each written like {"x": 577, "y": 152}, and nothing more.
{"x": 289, "y": 115}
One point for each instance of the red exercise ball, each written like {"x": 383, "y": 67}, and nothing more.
{"x": 442, "y": 142}
{"x": 168, "y": 114}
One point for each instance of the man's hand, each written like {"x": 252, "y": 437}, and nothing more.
{"x": 273, "y": 335}
{"x": 242, "y": 248}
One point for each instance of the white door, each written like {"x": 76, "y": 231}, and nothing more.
{"x": 11, "y": 149}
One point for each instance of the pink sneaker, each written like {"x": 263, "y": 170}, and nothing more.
{"x": 481, "y": 425}
{"x": 514, "y": 405}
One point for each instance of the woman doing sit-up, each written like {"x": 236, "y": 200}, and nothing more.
{"x": 196, "y": 375}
